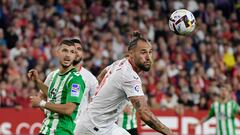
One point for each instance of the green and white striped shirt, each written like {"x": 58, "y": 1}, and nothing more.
{"x": 225, "y": 116}
{"x": 63, "y": 88}
{"x": 127, "y": 121}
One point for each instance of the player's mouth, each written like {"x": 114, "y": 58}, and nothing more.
{"x": 66, "y": 60}
{"x": 147, "y": 63}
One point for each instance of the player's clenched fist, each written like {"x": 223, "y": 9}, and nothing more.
{"x": 35, "y": 101}
{"x": 33, "y": 74}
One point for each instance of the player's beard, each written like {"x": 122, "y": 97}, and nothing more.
{"x": 144, "y": 66}
{"x": 65, "y": 66}
{"x": 77, "y": 61}
{"x": 224, "y": 97}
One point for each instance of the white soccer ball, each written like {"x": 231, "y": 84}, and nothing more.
{"x": 182, "y": 22}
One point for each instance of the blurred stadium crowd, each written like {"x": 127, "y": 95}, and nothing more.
{"x": 187, "y": 69}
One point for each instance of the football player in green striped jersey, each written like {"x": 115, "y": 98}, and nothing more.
{"x": 224, "y": 110}
{"x": 128, "y": 120}
{"x": 64, "y": 93}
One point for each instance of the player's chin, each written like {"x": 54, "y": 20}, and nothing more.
{"x": 66, "y": 64}
{"x": 146, "y": 67}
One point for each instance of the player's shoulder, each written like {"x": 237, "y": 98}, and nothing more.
{"x": 74, "y": 74}
{"x": 124, "y": 65}
{"x": 216, "y": 103}
{"x": 87, "y": 75}
{"x": 128, "y": 69}
{"x": 75, "y": 77}
{"x": 86, "y": 72}
{"x": 232, "y": 101}
{"x": 54, "y": 71}
{"x": 129, "y": 74}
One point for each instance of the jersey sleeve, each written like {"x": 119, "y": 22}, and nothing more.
{"x": 93, "y": 86}
{"x": 211, "y": 111}
{"x": 48, "y": 79}
{"x": 131, "y": 84}
{"x": 76, "y": 88}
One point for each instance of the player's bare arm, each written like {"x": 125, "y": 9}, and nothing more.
{"x": 42, "y": 95}
{"x": 147, "y": 116}
{"x": 33, "y": 75}
{"x": 66, "y": 109}
{"x": 128, "y": 110}
{"x": 101, "y": 75}
{"x": 201, "y": 121}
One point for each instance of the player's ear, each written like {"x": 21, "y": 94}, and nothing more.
{"x": 126, "y": 54}
{"x": 129, "y": 53}
{"x": 57, "y": 50}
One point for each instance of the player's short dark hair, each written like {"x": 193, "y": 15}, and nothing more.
{"x": 66, "y": 42}
{"x": 75, "y": 40}
{"x": 136, "y": 37}
{"x": 78, "y": 41}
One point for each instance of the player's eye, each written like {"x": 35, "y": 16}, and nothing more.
{"x": 64, "y": 50}
{"x": 150, "y": 51}
{"x": 79, "y": 48}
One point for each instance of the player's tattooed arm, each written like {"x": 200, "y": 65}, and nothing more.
{"x": 147, "y": 116}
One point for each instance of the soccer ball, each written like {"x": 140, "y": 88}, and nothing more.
{"x": 182, "y": 22}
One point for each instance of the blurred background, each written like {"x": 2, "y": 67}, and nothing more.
{"x": 186, "y": 71}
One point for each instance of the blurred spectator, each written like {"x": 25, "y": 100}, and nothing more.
{"x": 185, "y": 100}
{"x": 203, "y": 103}
{"x": 168, "y": 101}
{"x": 3, "y": 42}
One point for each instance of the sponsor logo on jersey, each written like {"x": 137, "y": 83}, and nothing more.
{"x": 75, "y": 90}
{"x": 53, "y": 92}
{"x": 137, "y": 88}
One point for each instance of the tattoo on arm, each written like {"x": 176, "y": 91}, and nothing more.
{"x": 137, "y": 105}
{"x": 147, "y": 116}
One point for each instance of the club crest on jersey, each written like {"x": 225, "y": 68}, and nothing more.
{"x": 75, "y": 90}
{"x": 137, "y": 88}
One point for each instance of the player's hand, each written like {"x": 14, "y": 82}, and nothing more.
{"x": 41, "y": 95}
{"x": 33, "y": 74}
{"x": 128, "y": 110}
{"x": 35, "y": 101}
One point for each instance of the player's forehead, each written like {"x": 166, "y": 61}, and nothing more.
{"x": 68, "y": 47}
{"x": 142, "y": 45}
{"x": 77, "y": 45}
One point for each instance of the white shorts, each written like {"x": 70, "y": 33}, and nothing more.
{"x": 115, "y": 130}
{"x": 85, "y": 127}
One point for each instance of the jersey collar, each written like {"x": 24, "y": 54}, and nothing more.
{"x": 80, "y": 68}
{"x": 133, "y": 67}
{"x": 72, "y": 69}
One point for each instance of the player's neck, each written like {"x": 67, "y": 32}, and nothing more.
{"x": 135, "y": 68}
{"x": 63, "y": 69}
{"x": 224, "y": 100}
{"x": 78, "y": 66}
